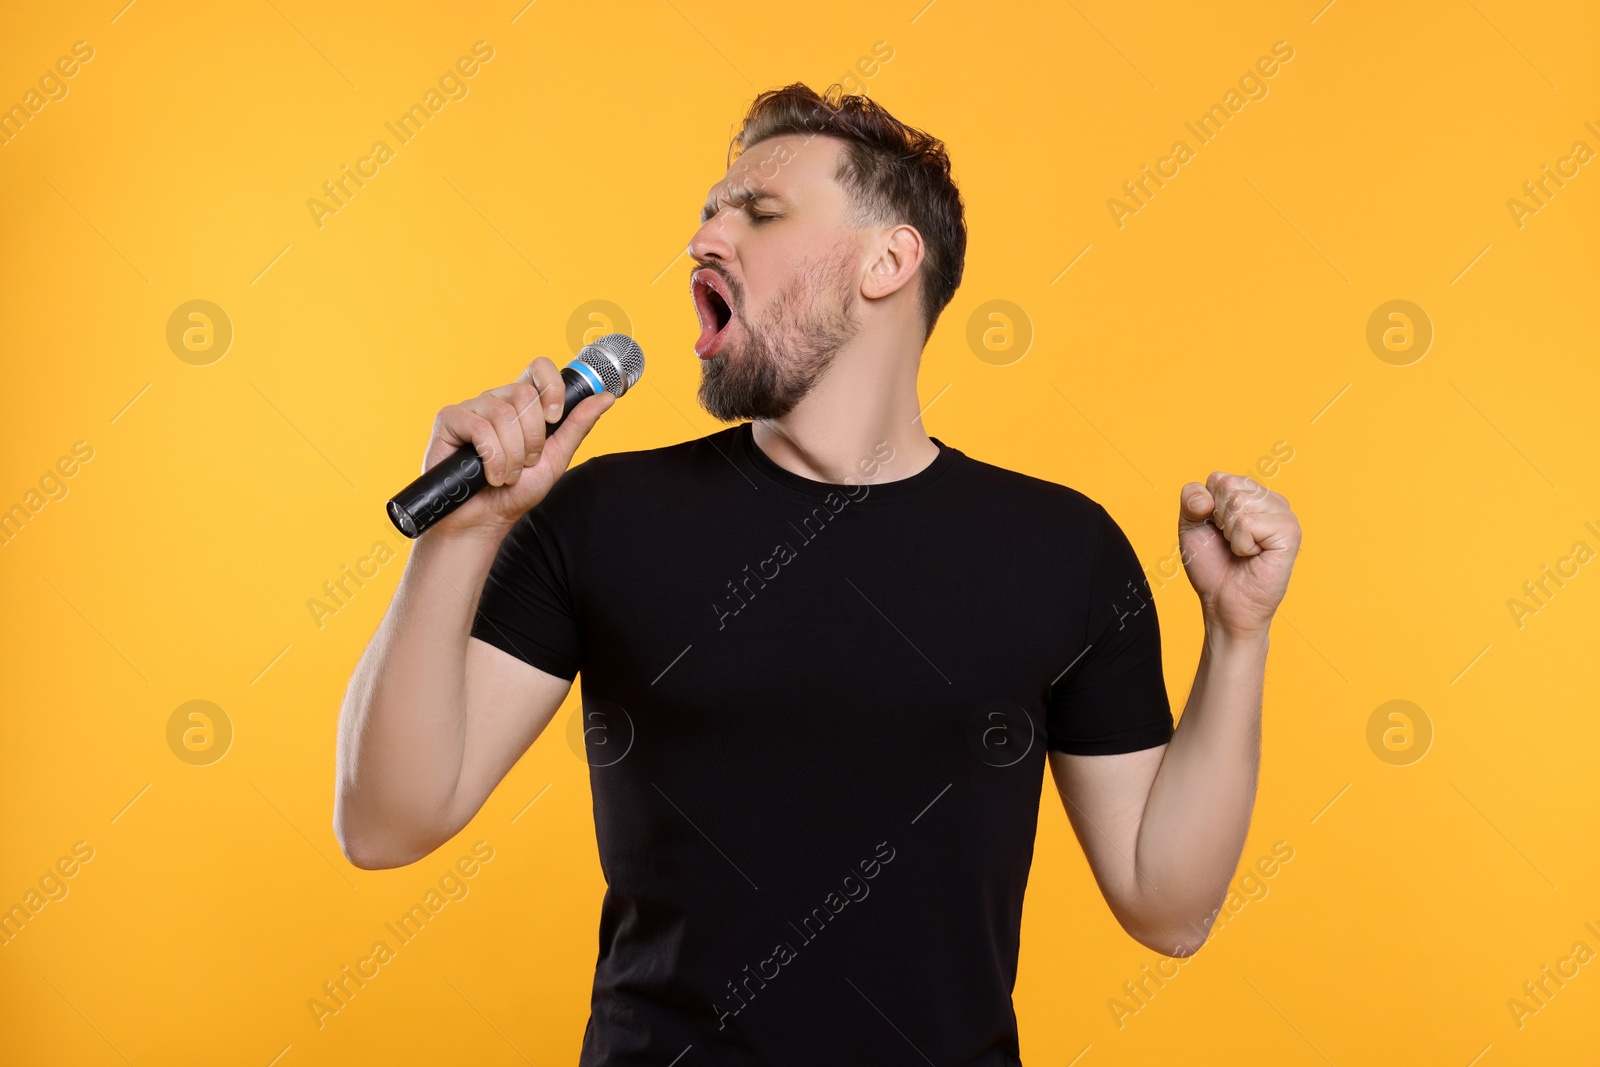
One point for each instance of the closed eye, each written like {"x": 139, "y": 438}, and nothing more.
{"x": 743, "y": 201}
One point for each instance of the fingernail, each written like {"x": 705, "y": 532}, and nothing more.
{"x": 553, "y": 410}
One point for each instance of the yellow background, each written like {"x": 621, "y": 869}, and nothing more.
{"x": 1221, "y": 319}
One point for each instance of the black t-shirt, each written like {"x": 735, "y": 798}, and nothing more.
{"x": 816, "y": 719}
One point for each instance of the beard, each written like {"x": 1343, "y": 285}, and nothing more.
{"x": 778, "y": 360}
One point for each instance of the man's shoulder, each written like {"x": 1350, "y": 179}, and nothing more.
{"x": 1029, "y": 492}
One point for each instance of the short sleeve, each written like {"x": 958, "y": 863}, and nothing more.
{"x": 528, "y": 606}
{"x": 1114, "y": 697}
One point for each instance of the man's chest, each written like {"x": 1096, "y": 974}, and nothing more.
{"x": 800, "y": 626}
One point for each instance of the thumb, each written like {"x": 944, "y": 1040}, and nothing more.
{"x": 1195, "y": 505}
{"x": 561, "y": 446}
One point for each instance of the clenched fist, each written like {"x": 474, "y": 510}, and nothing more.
{"x": 1239, "y": 542}
{"x": 506, "y": 426}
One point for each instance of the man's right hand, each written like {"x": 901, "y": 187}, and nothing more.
{"x": 433, "y": 719}
{"x": 507, "y": 428}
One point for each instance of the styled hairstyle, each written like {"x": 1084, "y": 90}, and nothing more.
{"x": 892, "y": 172}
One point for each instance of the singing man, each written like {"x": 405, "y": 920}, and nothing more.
{"x": 825, "y": 656}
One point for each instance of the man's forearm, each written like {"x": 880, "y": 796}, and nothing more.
{"x": 1195, "y": 820}
{"x": 402, "y": 728}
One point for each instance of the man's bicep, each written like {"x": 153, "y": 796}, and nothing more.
{"x": 1105, "y": 797}
{"x": 508, "y": 702}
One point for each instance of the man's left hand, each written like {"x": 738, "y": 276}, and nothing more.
{"x": 1239, "y": 541}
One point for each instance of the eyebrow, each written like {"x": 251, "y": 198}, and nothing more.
{"x": 737, "y": 198}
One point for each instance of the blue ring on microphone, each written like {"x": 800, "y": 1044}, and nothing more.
{"x": 589, "y": 375}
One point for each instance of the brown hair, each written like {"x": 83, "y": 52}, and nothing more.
{"x": 893, "y": 173}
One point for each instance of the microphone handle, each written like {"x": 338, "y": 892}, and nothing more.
{"x": 448, "y": 484}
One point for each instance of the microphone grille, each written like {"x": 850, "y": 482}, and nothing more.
{"x": 617, "y": 358}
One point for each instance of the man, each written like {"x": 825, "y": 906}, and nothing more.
{"x": 825, "y": 657}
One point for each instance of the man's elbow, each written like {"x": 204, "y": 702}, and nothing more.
{"x": 1170, "y": 937}
{"x": 363, "y": 856}
{"x": 377, "y": 850}
{"x": 1175, "y": 946}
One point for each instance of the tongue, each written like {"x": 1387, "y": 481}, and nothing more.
{"x": 708, "y": 331}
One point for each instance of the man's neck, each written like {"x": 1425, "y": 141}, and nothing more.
{"x": 864, "y": 405}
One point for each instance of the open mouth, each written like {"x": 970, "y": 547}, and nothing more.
{"x": 714, "y": 305}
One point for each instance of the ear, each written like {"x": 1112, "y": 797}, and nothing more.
{"x": 898, "y": 253}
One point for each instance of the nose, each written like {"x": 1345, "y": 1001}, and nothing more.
{"x": 710, "y": 241}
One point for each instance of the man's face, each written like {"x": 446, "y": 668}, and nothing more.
{"x": 779, "y": 277}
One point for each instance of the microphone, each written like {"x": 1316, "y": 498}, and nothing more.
{"x": 611, "y": 364}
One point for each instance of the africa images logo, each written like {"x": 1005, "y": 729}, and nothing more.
{"x": 810, "y": 528}
{"x": 452, "y": 85}
{"x": 852, "y": 887}
{"x": 1252, "y": 85}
